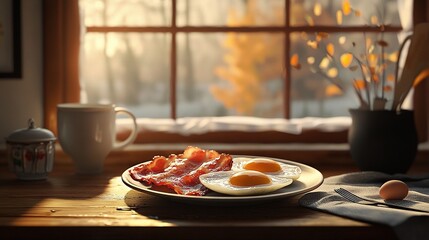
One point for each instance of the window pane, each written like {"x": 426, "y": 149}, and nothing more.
{"x": 126, "y": 12}
{"x": 230, "y": 74}
{"x": 345, "y": 12}
{"x": 131, "y": 70}
{"x": 321, "y": 86}
{"x": 230, "y": 12}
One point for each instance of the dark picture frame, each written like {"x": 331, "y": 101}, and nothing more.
{"x": 10, "y": 39}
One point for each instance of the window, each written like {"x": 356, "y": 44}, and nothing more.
{"x": 192, "y": 58}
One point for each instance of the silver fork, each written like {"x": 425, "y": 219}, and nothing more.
{"x": 366, "y": 201}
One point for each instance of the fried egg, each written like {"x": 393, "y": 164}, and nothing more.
{"x": 267, "y": 166}
{"x": 245, "y": 182}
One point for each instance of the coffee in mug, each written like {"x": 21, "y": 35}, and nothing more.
{"x": 87, "y": 133}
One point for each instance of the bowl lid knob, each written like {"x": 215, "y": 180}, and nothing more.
{"x": 30, "y": 134}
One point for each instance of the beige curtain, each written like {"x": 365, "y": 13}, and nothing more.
{"x": 61, "y": 30}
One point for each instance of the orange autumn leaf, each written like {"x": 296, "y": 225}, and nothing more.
{"x": 332, "y": 90}
{"x": 368, "y": 44}
{"x": 317, "y": 9}
{"x": 393, "y": 57}
{"x": 390, "y": 77}
{"x": 339, "y": 17}
{"x": 312, "y": 44}
{"x": 373, "y": 59}
{"x": 294, "y": 61}
{"x": 359, "y": 84}
{"x": 346, "y": 59}
{"x": 374, "y": 20}
{"x": 324, "y": 63}
{"x": 311, "y": 60}
{"x": 322, "y": 35}
{"x": 347, "y": 9}
{"x": 376, "y": 78}
{"x": 358, "y": 13}
{"x": 330, "y": 49}
{"x": 342, "y": 40}
{"x": 332, "y": 73}
{"x": 388, "y": 88}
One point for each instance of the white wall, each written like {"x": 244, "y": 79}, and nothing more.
{"x": 21, "y": 98}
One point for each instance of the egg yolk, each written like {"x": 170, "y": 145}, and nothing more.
{"x": 263, "y": 165}
{"x": 249, "y": 178}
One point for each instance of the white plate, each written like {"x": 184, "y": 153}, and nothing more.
{"x": 309, "y": 180}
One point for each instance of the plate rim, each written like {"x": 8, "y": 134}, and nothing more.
{"x": 136, "y": 185}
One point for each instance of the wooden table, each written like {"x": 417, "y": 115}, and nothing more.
{"x": 69, "y": 206}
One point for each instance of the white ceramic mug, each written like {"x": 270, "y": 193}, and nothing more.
{"x": 87, "y": 133}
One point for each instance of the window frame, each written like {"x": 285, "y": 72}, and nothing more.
{"x": 61, "y": 30}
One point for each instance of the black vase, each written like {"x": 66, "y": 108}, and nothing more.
{"x": 384, "y": 141}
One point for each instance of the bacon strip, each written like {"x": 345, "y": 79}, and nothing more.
{"x": 181, "y": 172}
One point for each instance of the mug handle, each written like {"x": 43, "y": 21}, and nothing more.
{"x": 133, "y": 135}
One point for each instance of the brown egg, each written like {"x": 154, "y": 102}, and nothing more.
{"x": 393, "y": 190}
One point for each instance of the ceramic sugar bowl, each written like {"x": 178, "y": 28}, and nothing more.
{"x": 31, "y": 152}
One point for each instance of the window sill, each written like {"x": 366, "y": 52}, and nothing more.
{"x": 233, "y": 130}
{"x": 201, "y": 125}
